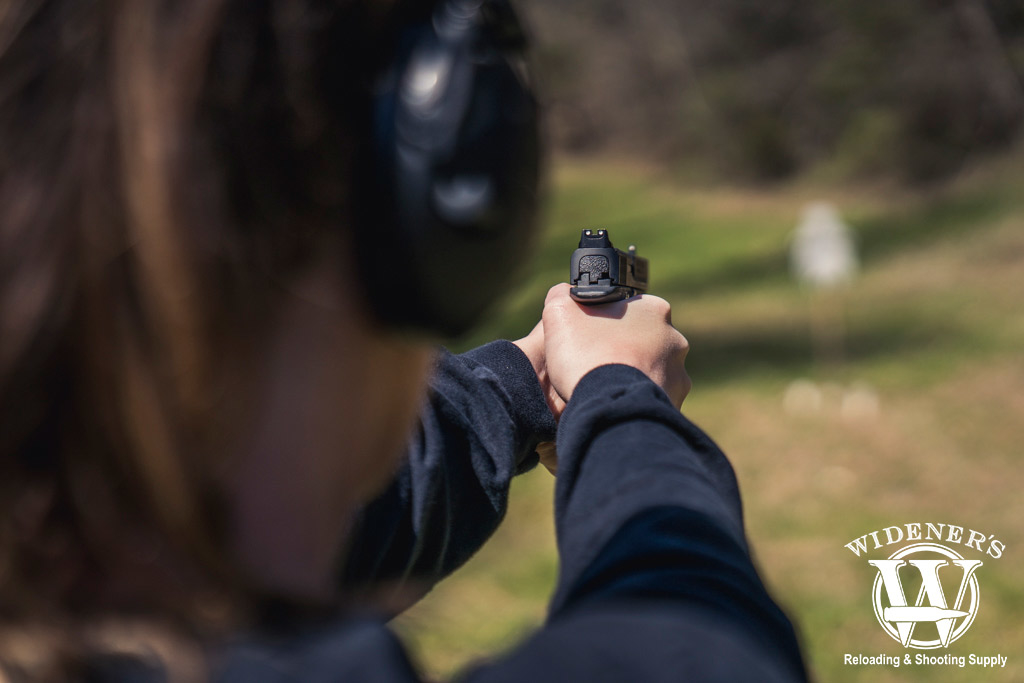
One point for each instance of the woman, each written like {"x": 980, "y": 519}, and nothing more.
{"x": 202, "y": 428}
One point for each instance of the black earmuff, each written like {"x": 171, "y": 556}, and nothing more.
{"x": 447, "y": 212}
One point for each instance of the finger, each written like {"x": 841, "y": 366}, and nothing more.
{"x": 556, "y": 404}
{"x": 559, "y": 291}
{"x": 657, "y": 305}
{"x": 548, "y": 456}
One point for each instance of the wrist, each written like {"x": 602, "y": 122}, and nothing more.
{"x": 534, "y": 352}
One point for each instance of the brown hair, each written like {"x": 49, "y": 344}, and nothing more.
{"x": 162, "y": 164}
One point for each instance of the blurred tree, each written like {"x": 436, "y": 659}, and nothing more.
{"x": 763, "y": 90}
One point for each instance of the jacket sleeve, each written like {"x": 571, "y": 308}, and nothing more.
{"x": 484, "y": 416}
{"x": 656, "y": 582}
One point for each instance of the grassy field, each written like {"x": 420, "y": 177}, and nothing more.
{"x": 934, "y": 328}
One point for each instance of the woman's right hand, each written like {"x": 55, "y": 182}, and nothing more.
{"x": 637, "y": 332}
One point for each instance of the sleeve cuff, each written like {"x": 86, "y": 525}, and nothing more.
{"x": 527, "y": 404}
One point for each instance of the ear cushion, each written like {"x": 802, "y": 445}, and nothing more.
{"x": 447, "y": 208}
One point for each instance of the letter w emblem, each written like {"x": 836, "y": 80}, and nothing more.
{"x": 937, "y": 610}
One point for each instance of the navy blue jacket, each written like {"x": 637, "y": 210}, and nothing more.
{"x": 655, "y": 581}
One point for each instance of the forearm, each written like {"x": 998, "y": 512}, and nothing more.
{"x": 648, "y": 513}
{"x": 480, "y": 425}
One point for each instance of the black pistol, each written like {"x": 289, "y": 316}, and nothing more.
{"x": 599, "y": 273}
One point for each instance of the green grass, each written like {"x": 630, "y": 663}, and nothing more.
{"x": 935, "y": 325}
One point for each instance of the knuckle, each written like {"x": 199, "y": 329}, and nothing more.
{"x": 555, "y": 311}
{"x": 554, "y": 304}
{"x": 658, "y": 306}
{"x": 559, "y": 291}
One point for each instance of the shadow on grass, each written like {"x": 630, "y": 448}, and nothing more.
{"x": 877, "y": 237}
{"x": 739, "y": 274}
{"x": 786, "y": 351}
{"x": 883, "y": 236}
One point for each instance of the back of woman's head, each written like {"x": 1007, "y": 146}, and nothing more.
{"x": 162, "y": 165}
